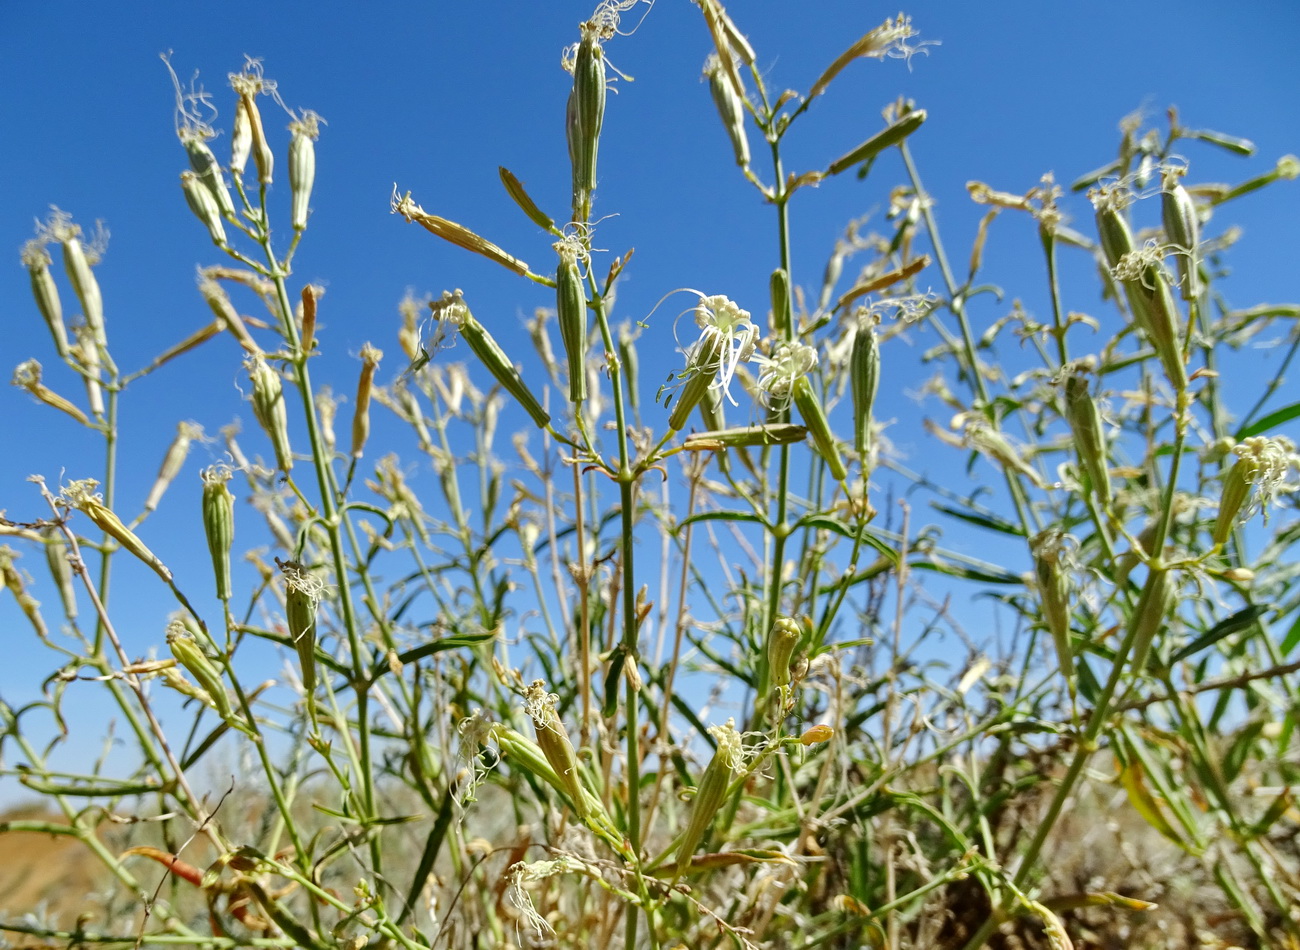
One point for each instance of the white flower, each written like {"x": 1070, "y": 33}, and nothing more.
{"x": 721, "y": 319}
{"x": 788, "y": 363}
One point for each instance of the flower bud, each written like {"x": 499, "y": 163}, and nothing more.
{"x": 302, "y": 164}
{"x": 571, "y": 306}
{"x": 173, "y": 460}
{"x": 307, "y": 337}
{"x": 1150, "y": 615}
{"x": 773, "y": 433}
{"x": 37, "y": 261}
{"x": 190, "y": 655}
{"x": 781, "y": 641}
{"x": 219, "y": 525}
{"x": 731, "y": 108}
{"x": 269, "y": 408}
{"x": 370, "y": 357}
{"x": 893, "y": 134}
{"x": 817, "y": 734}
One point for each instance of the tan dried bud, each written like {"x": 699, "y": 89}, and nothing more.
{"x": 310, "y": 294}
{"x": 817, "y": 734}
{"x": 215, "y": 296}
{"x": 173, "y": 460}
{"x": 27, "y": 375}
{"x": 455, "y": 233}
{"x": 81, "y": 495}
{"x": 370, "y": 357}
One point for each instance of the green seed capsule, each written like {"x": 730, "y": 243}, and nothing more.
{"x": 864, "y": 378}
{"x": 571, "y": 305}
{"x": 208, "y": 172}
{"x": 779, "y": 286}
{"x": 46, "y": 293}
{"x": 773, "y": 433}
{"x": 86, "y": 286}
{"x": 890, "y": 135}
{"x": 451, "y": 308}
{"x": 702, "y": 372}
{"x": 731, "y": 108}
{"x": 204, "y": 207}
{"x": 1182, "y": 228}
{"x": 190, "y": 655}
{"x": 1052, "y": 579}
{"x": 1150, "y": 615}
{"x": 814, "y": 417}
{"x": 586, "y": 114}
{"x": 269, "y": 408}
{"x": 1084, "y": 418}
{"x": 711, "y": 791}
{"x": 302, "y": 164}
{"x": 219, "y": 525}
{"x": 301, "y": 595}
{"x": 553, "y": 740}
{"x": 56, "y": 555}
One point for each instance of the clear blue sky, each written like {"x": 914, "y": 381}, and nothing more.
{"x": 435, "y": 95}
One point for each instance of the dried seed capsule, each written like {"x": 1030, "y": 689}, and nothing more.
{"x": 263, "y": 156}
{"x": 173, "y": 460}
{"x": 56, "y": 555}
{"x": 82, "y": 496}
{"x": 553, "y": 740}
{"x": 586, "y": 114}
{"x": 12, "y": 578}
{"x": 269, "y": 408}
{"x": 864, "y": 378}
{"x": 1182, "y": 228}
{"x": 219, "y": 525}
{"x": 224, "y": 310}
{"x": 1051, "y": 553}
{"x": 241, "y": 139}
{"x": 454, "y": 233}
{"x": 37, "y": 261}
{"x": 571, "y": 305}
{"x": 302, "y": 164}
{"x": 711, "y": 791}
{"x": 27, "y": 375}
{"x": 730, "y": 106}
{"x": 301, "y": 595}
{"x": 781, "y": 641}
{"x": 451, "y": 308}
{"x": 814, "y": 417}
{"x": 1084, "y": 418}
{"x": 370, "y": 357}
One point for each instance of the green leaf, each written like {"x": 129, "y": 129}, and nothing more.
{"x": 747, "y": 516}
{"x": 1224, "y": 628}
{"x": 985, "y": 519}
{"x": 1292, "y": 637}
{"x": 1270, "y": 421}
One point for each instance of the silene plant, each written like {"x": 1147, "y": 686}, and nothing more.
{"x": 678, "y": 669}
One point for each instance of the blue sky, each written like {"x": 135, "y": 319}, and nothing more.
{"x": 434, "y": 96}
